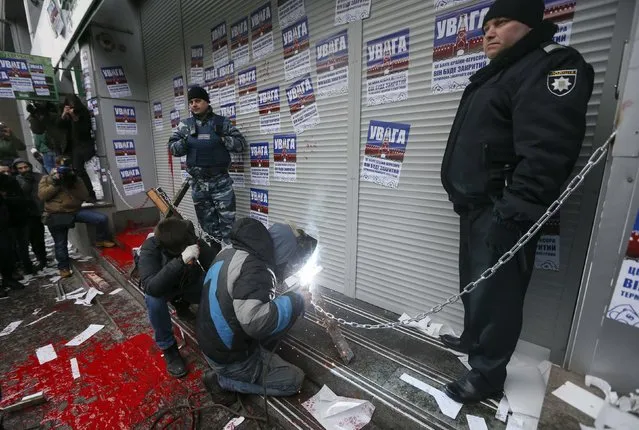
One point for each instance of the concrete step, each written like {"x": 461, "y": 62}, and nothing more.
{"x": 381, "y": 357}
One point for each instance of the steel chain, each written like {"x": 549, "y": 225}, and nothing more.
{"x": 117, "y": 191}
{"x": 594, "y": 159}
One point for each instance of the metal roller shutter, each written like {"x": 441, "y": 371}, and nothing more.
{"x": 408, "y": 237}
{"x": 162, "y": 41}
{"x": 317, "y": 200}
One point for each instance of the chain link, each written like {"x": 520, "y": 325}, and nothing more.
{"x": 117, "y": 191}
{"x": 576, "y": 181}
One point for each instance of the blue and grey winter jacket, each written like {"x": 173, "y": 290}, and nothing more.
{"x": 238, "y": 308}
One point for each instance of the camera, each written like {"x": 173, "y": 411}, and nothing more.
{"x": 64, "y": 170}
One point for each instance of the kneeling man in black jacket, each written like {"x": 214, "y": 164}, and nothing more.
{"x": 240, "y": 316}
{"x": 171, "y": 269}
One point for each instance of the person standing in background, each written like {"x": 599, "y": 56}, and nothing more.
{"x": 206, "y": 139}
{"x": 81, "y": 148}
{"x": 34, "y": 231}
{"x": 10, "y": 144}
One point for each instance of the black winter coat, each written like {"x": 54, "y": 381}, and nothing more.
{"x": 29, "y": 185}
{"x": 164, "y": 276}
{"x": 519, "y": 128}
{"x": 238, "y": 307}
{"x": 16, "y": 201}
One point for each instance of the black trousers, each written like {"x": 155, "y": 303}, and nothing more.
{"x": 7, "y": 254}
{"x": 20, "y": 238}
{"x": 78, "y": 158}
{"x": 34, "y": 234}
{"x": 494, "y": 310}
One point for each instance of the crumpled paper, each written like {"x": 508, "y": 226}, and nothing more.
{"x": 334, "y": 412}
{"x": 429, "y": 327}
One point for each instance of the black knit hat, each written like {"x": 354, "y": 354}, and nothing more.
{"x": 174, "y": 235}
{"x": 196, "y": 92}
{"x": 529, "y": 12}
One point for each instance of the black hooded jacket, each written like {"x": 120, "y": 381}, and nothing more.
{"x": 164, "y": 275}
{"x": 29, "y": 184}
{"x": 519, "y": 128}
{"x": 238, "y": 306}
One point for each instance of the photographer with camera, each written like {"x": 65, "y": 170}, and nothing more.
{"x": 76, "y": 120}
{"x": 10, "y": 144}
{"x": 46, "y": 135}
{"x": 63, "y": 193}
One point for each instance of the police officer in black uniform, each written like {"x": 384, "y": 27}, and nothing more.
{"x": 514, "y": 142}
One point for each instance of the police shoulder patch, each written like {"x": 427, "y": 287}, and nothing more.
{"x": 561, "y": 82}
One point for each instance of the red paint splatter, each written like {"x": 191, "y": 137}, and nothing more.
{"x": 118, "y": 387}
{"x": 129, "y": 239}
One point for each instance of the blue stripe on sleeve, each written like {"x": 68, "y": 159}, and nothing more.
{"x": 284, "y": 313}
{"x": 221, "y": 325}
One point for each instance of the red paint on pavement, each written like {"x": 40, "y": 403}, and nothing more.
{"x": 118, "y": 387}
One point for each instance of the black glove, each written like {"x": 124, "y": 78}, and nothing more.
{"x": 503, "y": 234}
{"x": 298, "y": 302}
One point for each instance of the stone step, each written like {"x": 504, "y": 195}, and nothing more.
{"x": 381, "y": 357}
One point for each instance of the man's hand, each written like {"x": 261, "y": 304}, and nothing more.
{"x": 55, "y": 174}
{"x": 191, "y": 253}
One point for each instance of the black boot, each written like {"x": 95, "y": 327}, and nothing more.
{"x": 12, "y": 284}
{"x": 174, "y": 362}
{"x": 3, "y": 293}
{"x": 219, "y": 395}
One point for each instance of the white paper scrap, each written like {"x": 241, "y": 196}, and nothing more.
{"x": 579, "y": 398}
{"x": 336, "y": 412}
{"x": 544, "y": 368}
{"x": 37, "y": 311}
{"x": 55, "y": 279}
{"x": 27, "y": 279}
{"x": 610, "y": 396}
{"x": 10, "y": 328}
{"x": 525, "y": 389}
{"x": 86, "y": 334}
{"x": 583, "y": 427}
{"x": 89, "y": 298}
{"x": 75, "y": 369}
{"x": 476, "y": 423}
{"x": 232, "y": 425}
{"x": 502, "y": 410}
{"x": 611, "y": 417}
{"x": 74, "y": 292}
{"x": 522, "y": 422}
{"x": 114, "y": 292}
{"x": 46, "y": 354}
{"x": 41, "y": 318}
{"x": 448, "y": 406}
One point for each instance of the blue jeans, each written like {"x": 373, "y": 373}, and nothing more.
{"x": 61, "y": 234}
{"x": 158, "y": 310}
{"x": 48, "y": 159}
{"x": 282, "y": 378}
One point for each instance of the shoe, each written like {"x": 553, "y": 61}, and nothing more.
{"x": 3, "y": 295}
{"x": 65, "y": 273}
{"x": 12, "y": 284}
{"x": 174, "y": 362}
{"x": 31, "y": 270}
{"x": 105, "y": 244}
{"x": 17, "y": 276}
{"x": 466, "y": 392}
{"x": 219, "y": 395}
{"x": 454, "y": 343}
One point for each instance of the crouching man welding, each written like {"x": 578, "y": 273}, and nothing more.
{"x": 172, "y": 266}
{"x": 240, "y": 318}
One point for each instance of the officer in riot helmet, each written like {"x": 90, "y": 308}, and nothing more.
{"x": 207, "y": 140}
{"x": 515, "y": 140}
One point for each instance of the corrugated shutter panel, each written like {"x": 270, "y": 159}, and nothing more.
{"x": 408, "y": 238}
{"x": 317, "y": 200}
{"x": 161, "y": 37}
